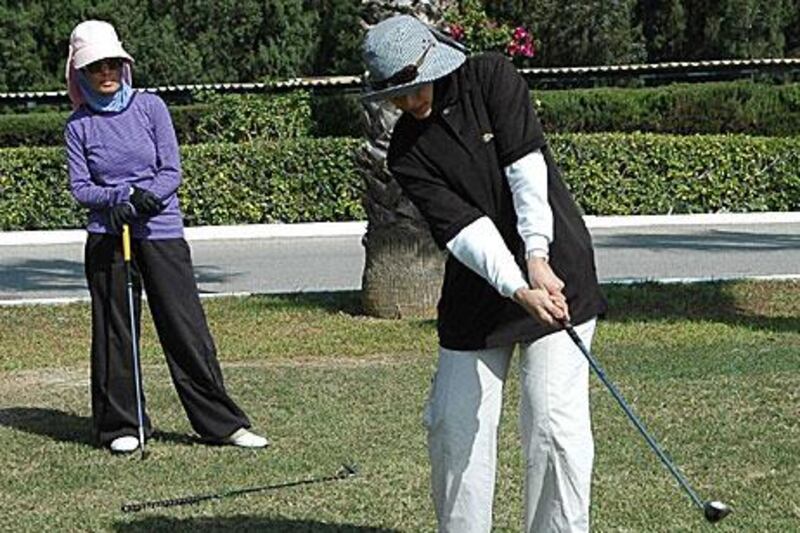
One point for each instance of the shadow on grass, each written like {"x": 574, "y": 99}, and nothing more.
{"x": 61, "y": 426}
{"x": 750, "y": 304}
{"x": 52, "y": 423}
{"x": 240, "y": 523}
{"x": 754, "y": 305}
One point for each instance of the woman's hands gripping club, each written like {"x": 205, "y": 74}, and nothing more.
{"x": 544, "y": 300}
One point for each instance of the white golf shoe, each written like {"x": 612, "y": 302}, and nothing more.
{"x": 244, "y": 438}
{"x": 125, "y": 444}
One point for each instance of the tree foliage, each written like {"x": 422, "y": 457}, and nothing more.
{"x": 176, "y": 41}
{"x": 577, "y": 32}
{"x": 199, "y": 41}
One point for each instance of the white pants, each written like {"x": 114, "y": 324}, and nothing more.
{"x": 462, "y": 416}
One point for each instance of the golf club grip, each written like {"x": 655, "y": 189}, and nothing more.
{"x": 173, "y": 502}
{"x": 126, "y": 243}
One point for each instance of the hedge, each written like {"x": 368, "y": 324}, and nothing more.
{"x": 646, "y": 174}
{"x": 47, "y": 129}
{"x": 298, "y": 180}
{"x": 302, "y": 180}
{"x": 709, "y": 108}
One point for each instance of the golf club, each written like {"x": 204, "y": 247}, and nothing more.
{"x": 347, "y": 471}
{"x": 137, "y": 377}
{"x": 714, "y": 511}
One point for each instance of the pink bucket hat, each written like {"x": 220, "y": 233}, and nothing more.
{"x": 90, "y": 41}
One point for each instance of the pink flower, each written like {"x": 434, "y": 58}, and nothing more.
{"x": 521, "y": 43}
{"x": 456, "y": 31}
{"x": 527, "y": 50}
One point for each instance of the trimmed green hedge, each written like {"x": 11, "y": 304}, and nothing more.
{"x": 299, "y": 180}
{"x": 705, "y": 108}
{"x": 302, "y": 180}
{"x": 708, "y": 108}
{"x": 47, "y": 129}
{"x": 215, "y": 118}
{"x": 646, "y": 174}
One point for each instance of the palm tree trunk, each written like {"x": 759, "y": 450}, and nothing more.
{"x": 404, "y": 267}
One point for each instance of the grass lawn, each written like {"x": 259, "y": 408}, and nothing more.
{"x": 712, "y": 369}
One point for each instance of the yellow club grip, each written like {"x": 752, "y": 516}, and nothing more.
{"x": 126, "y": 242}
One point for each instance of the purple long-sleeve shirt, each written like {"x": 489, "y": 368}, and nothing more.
{"x": 108, "y": 153}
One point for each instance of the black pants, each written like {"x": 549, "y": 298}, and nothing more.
{"x": 165, "y": 269}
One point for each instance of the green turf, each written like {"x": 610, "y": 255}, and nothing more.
{"x": 712, "y": 369}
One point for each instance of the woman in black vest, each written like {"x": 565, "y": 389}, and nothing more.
{"x": 470, "y": 154}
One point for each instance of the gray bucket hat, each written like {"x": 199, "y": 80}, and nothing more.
{"x": 402, "y": 53}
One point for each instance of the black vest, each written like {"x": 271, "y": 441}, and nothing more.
{"x": 451, "y": 166}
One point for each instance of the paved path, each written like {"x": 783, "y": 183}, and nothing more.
{"x": 48, "y": 266}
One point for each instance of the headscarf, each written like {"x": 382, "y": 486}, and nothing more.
{"x": 91, "y": 41}
{"x": 104, "y": 103}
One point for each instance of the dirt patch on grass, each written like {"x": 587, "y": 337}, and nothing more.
{"x": 14, "y": 384}
{"x": 21, "y": 380}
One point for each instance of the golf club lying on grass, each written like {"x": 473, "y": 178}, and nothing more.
{"x": 137, "y": 366}
{"x": 714, "y": 511}
{"x": 347, "y": 471}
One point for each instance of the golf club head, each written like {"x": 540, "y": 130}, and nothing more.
{"x": 348, "y": 470}
{"x": 715, "y": 511}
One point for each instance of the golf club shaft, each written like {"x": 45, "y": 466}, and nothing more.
{"x": 126, "y": 254}
{"x": 344, "y": 473}
{"x": 632, "y": 416}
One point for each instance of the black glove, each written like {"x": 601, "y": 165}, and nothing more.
{"x": 145, "y": 202}
{"x": 120, "y": 215}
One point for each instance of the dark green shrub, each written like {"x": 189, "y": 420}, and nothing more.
{"x": 218, "y": 118}
{"x": 336, "y": 115}
{"x": 32, "y": 129}
{"x": 709, "y": 108}
{"x": 186, "y": 120}
{"x": 47, "y": 129}
{"x": 245, "y": 118}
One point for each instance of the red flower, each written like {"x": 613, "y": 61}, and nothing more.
{"x": 456, "y": 31}
{"x": 521, "y": 43}
{"x": 527, "y": 50}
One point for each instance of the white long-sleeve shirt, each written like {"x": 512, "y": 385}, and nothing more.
{"x": 480, "y": 247}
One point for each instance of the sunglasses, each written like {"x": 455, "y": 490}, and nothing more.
{"x": 405, "y": 75}
{"x": 114, "y": 63}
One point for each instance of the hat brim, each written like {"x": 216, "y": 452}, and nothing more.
{"x": 89, "y": 56}
{"x": 441, "y": 61}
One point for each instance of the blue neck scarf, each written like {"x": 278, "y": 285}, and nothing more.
{"x": 102, "y": 103}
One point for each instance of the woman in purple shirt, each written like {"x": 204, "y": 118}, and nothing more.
{"x": 124, "y": 166}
